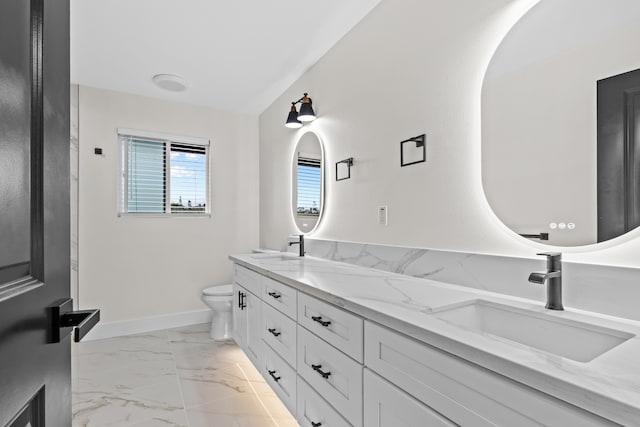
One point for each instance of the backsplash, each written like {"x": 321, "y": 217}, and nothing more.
{"x": 602, "y": 289}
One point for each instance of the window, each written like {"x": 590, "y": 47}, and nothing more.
{"x": 309, "y": 186}
{"x": 163, "y": 174}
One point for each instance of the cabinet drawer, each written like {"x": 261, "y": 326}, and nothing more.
{"x": 462, "y": 391}
{"x": 336, "y": 326}
{"x": 280, "y": 333}
{"x": 387, "y": 406}
{"x": 334, "y": 375}
{"x": 246, "y": 278}
{"x": 280, "y": 376}
{"x": 279, "y": 296}
{"x": 314, "y": 410}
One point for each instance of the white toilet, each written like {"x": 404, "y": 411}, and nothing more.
{"x": 219, "y": 299}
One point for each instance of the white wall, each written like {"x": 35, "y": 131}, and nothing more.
{"x": 410, "y": 66}
{"x": 139, "y": 267}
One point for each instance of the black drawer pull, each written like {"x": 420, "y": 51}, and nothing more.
{"x": 272, "y": 373}
{"x": 273, "y": 332}
{"x": 243, "y": 302}
{"x": 324, "y": 375}
{"x": 318, "y": 319}
{"x": 275, "y": 295}
{"x": 315, "y": 424}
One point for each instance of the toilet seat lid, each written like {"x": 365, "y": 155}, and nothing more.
{"x": 218, "y": 290}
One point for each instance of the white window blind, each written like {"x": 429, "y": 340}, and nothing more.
{"x": 163, "y": 176}
{"x": 146, "y": 170}
{"x": 309, "y": 186}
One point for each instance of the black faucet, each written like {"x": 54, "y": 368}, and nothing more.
{"x": 554, "y": 277}
{"x": 299, "y": 242}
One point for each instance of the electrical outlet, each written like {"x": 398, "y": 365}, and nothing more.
{"x": 383, "y": 212}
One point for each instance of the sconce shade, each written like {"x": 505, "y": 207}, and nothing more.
{"x": 306, "y": 111}
{"x": 292, "y": 119}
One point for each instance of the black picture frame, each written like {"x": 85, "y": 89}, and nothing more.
{"x": 421, "y": 142}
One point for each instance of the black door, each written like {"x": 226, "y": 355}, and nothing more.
{"x": 618, "y": 155}
{"x": 35, "y": 383}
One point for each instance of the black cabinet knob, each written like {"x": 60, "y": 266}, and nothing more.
{"x": 315, "y": 424}
{"x": 274, "y": 295}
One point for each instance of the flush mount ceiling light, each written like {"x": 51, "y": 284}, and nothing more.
{"x": 295, "y": 119}
{"x": 170, "y": 82}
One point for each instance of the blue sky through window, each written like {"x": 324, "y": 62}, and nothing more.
{"x": 188, "y": 185}
{"x": 309, "y": 190}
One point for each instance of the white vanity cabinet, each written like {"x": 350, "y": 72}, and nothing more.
{"x": 338, "y": 327}
{"x": 279, "y": 339}
{"x": 280, "y": 296}
{"x": 266, "y": 330}
{"x": 239, "y": 316}
{"x": 247, "y": 312}
{"x": 248, "y": 279}
{"x": 467, "y": 394}
{"x": 317, "y": 373}
{"x": 387, "y": 406}
{"x": 333, "y": 374}
{"x": 332, "y": 368}
{"x": 313, "y": 410}
{"x": 279, "y": 332}
{"x": 246, "y": 322}
{"x": 280, "y": 376}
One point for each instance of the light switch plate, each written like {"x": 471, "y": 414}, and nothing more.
{"x": 383, "y": 214}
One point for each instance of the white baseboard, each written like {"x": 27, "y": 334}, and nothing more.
{"x": 137, "y": 326}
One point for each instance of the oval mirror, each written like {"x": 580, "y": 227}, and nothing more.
{"x": 307, "y": 192}
{"x": 561, "y": 123}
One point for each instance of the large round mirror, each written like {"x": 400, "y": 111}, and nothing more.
{"x": 561, "y": 122}
{"x": 307, "y": 192}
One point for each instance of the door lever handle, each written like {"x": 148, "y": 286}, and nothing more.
{"x": 64, "y": 320}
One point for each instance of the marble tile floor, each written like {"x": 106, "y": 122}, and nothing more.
{"x": 175, "y": 377}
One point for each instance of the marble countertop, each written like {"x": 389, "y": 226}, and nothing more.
{"x": 608, "y": 385}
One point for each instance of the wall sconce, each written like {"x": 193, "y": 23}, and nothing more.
{"x": 295, "y": 120}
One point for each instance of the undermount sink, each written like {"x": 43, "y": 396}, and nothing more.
{"x": 276, "y": 257}
{"x": 571, "y": 339}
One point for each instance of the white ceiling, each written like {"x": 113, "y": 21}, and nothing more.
{"x": 237, "y": 55}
